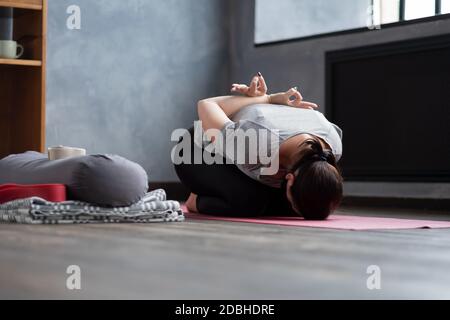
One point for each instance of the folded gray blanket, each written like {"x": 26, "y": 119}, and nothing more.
{"x": 152, "y": 208}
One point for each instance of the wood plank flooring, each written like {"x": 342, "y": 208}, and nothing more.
{"x": 219, "y": 260}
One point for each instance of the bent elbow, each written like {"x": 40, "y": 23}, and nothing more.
{"x": 202, "y": 102}
{"x": 201, "y": 106}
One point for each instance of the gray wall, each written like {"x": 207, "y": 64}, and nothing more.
{"x": 135, "y": 70}
{"x": 302, "y": 63}
{"x": 132, "y": 74}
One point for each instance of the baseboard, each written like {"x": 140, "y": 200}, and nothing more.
{"x": 177, "y": 191}
{"x": 404, "y": 203}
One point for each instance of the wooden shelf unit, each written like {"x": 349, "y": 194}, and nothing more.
{"x": 22, "y": 81}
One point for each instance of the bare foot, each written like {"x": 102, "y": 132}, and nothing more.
{"x": 191, "y": 203}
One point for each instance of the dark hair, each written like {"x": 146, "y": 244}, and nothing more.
{"x": 317, "y": 189}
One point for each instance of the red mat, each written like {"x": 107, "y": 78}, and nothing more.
{"x": 334, "y": 222}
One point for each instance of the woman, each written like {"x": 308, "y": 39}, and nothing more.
{"x": 307, "y": 183}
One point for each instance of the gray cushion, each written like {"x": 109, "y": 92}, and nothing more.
{"x": 106, "y": 180}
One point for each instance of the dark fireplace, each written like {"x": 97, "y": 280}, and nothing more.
{"x": 393, "y": 103}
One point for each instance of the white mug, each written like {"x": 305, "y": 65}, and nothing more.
{"x": 62, "y": 152}
{"x": 9, "y": 48}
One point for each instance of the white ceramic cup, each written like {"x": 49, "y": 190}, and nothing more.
{"x": 62, "y": 152}
{"x": 9, "y": 49}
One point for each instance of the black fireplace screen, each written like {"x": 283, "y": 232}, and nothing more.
{"x": 393, "y": 103}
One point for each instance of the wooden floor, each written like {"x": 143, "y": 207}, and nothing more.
{"x": 218, "y": 260}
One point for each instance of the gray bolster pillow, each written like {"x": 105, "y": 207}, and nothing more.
{"x": 106, "y": 180}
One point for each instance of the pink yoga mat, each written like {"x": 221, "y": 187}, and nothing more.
{"x": 335, "y": 222}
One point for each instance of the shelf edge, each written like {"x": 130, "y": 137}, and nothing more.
{"x": 18, "y": 62}
{"x": 21, "y": 5}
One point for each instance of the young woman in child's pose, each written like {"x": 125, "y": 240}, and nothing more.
{"x": 308, "y": 182}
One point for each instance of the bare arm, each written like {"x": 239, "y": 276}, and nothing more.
{"x": 216, "y": 112}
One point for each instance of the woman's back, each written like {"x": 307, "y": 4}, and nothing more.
{"x": 281, "y": 123}
{"x": 290, "y": 122}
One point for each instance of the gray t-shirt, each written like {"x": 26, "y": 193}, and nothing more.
{"x": 279, "y": 123}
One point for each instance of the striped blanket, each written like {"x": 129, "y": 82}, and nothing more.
{"x": 152, "y": 208}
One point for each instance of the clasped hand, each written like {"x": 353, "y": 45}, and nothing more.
{"x": 258, "y": 88}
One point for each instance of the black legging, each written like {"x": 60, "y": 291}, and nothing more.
{"x": 222, "y": 189}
